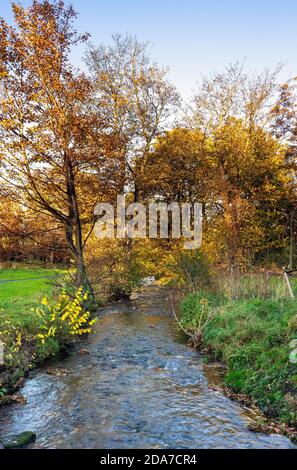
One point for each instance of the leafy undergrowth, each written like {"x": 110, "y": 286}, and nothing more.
{"x": 252, "y": 337}
{"x": 32, "y": 329}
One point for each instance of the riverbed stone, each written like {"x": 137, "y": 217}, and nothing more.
{"x": 17, "y": 398}
{"x": 57, "y": 372}
{"x": 20, "y": 440}
{"x": 84, "y": 352}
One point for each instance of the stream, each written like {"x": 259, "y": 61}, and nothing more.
{"x": 140, "y": 387}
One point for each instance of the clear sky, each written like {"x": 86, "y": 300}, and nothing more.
{"x": 195, "y": 37}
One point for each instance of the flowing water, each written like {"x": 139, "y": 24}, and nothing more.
{"x": 140, "y": 387}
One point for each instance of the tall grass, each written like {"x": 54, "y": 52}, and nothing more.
{"x": 252, "y": 286}
{"x": 251, "y": 322}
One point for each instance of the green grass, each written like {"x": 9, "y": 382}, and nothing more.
{"x": 252, "y": 337}
{"x": 14, "y": 274}
{"x": 17, "y": 298}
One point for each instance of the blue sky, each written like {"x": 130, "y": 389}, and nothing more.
{"x": 195, "y": 37}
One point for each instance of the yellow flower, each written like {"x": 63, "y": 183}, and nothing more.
{"x": 19, "y": 339}
{"x": 41, "y": 337}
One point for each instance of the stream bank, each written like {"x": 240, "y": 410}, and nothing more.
{"x": 140, "y": 387}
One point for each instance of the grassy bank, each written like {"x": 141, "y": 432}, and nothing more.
{"x": 36, "y": 321}
{"x": 22, "y": 289}
{"x": 252, "y": 337}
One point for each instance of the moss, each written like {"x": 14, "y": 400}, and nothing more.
{"x": 20, "y": 440}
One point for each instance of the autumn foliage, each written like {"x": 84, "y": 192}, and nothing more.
{"x": 70, "y": 139}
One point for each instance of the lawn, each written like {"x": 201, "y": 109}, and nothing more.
{"x": 23, "y": 291}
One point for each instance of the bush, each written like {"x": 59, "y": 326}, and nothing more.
{"x": 64, "y": 320}
{"x": 192, "y": 270}
{"x": 13, "y": 338}
{"x": 46, "y": 329}
{"x": 114, "y": 269}
{"x": 197, "y": 308}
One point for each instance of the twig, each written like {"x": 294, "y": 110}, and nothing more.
{"x": 176, "y": 318}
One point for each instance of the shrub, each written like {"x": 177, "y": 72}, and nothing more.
{"x": 64, "y": 320}
{"x": 197, "y": 310}
{"x": 12, "y": 337}
{"x": 192, "y": 270}
{"x": 114, "y": 269}
{"x": 47, "y": 328}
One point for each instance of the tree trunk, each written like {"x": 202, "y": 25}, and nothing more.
{"x": 232, "y": 232}
{"x": 291, "y": 260}
{"x": 74, "y": 232}
{"x": 81, "y": 272}
{"x": 229, "y": 201}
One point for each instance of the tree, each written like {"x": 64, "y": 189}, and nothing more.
{"x": 178, "y": 166}
{"x": 248, "y": 182}
{"x": 29, "y": 236}
{"x": 136, "y": 98}
{"x": 284, "y": 128}
{"x": 247, "y": 165}
{"x": 57, "y": 154}
{"x": 234, "y": 93}
{"x": 240, "y": 177}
